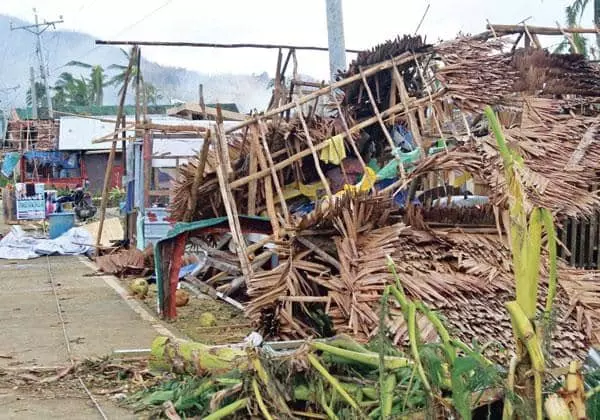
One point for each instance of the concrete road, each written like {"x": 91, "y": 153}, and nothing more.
{"x": 98, "y": 317}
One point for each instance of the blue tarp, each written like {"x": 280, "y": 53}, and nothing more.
{"x": 11, "y": 160}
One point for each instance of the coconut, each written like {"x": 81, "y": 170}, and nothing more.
{"x": 139, "y": 287}
{"x": 207, "y": 319}
{"x": 181, "y": 297}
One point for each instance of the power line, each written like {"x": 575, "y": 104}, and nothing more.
{"x": 38, "y": 29}
{"x": 128, "y": 27}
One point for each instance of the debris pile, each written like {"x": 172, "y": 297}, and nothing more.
{"x": 296, "y": 214}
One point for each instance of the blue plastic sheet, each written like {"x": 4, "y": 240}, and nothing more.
{"x": 11, "y": 160}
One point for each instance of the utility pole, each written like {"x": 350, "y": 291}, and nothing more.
{"x": 34, "y": 102}
{"x": 335, "y": 37}
{"x": 38, "y": 29}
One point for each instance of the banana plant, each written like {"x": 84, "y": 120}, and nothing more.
{"x": 527, "y": 223}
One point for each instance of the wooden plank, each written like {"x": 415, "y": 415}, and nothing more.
{"x": 563, "y": 238}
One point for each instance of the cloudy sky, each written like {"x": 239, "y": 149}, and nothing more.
{"x": 275, "y": 21}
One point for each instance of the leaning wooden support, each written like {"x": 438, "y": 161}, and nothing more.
{"x": 198, "y": 177}
{"x": 223, "y": 164}
{"x": 113, "y": 150}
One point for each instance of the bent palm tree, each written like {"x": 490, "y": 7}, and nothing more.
{"x": 574, "y": 13}
{"x": 96, "y": 82}
{"x": 149, "y": 90}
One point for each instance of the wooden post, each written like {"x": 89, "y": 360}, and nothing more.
{"x": 113, "y": 150}
{"x": 124, "y": 166}
{"x": 313, "y": 152}
{"x": 223, "y": 164}
{"x": 147, "y": 154}
{"x": 198, "y": 178}
{"x": 201, "y": 100}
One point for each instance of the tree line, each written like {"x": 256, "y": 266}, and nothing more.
{"x": 70, "y": 90}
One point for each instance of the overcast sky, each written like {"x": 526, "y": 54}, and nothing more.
{"x": 367, "y": 22}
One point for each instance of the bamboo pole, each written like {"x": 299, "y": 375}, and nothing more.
{"x": 539, "y": 30}
{"x": 268, "y": 186}
{"x": 398, "y": 108}
{"x": 198, "y": 178}
{"x": 217, "y": 45}
{"x": 313, "y": 151}
{"x": 381, "y": 123}
{"x": 399, "y": 60}
{"x": 349, "y": 137}
{"x": 405, "y": 99}
{"x": 271, "y": 165}
{"x": 113, "y": 151}
{"x": 252, "y": 188}
{"x": 222, "y": 168}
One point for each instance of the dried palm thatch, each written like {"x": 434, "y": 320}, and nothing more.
{"x": 465, "y": 275}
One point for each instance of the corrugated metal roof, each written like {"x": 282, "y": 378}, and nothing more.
{"x": 77, "y": 133}
{"x": 27, "y": 113}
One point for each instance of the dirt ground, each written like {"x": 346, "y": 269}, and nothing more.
{"x": 231, "y": 325}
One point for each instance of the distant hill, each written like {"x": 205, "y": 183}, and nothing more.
{"x": 17, "y": 53}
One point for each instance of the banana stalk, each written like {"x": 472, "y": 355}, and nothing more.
{"x": 260, "y": 401}
{"x": 228, "y": 410}
{"x": 370, "y": 359}
{"x": 526, "y": 334}
{"x": 334, "y": 383}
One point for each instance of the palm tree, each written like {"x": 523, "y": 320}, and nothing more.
{"x": 574, "y": 13}
{"x": 70, "y": 91}
{"x": 151, "y": 92}
{"x": 96, "y": 82}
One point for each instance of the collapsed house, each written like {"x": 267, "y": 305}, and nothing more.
{"x": 400, "y": 165}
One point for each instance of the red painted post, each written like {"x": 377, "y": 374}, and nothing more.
{"x": 174, "y": 267}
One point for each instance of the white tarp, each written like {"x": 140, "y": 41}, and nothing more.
{"x": 16, "y": 245}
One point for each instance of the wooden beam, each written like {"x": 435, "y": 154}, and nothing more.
{"x": 398, "y": 108}
{"x": 539, "y": 30}
{"x": 217, "y": 45}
